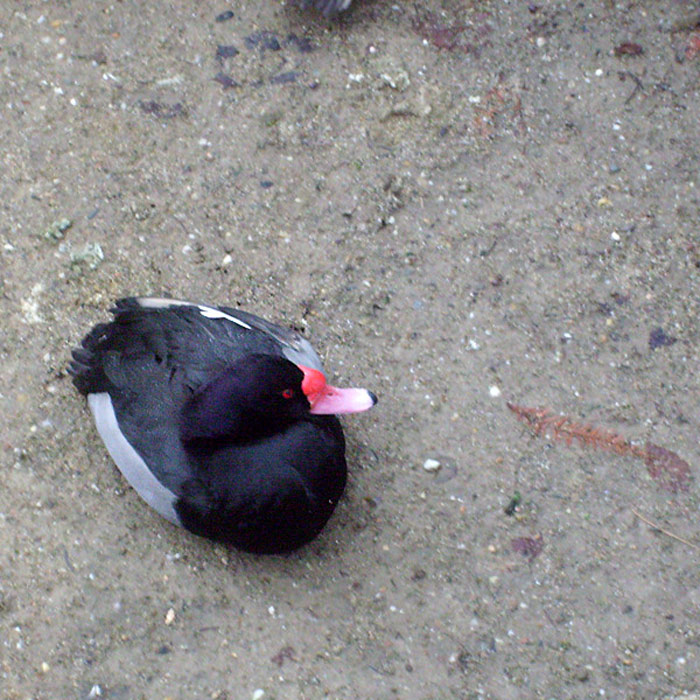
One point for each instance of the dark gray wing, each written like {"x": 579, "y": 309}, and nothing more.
{"x": 230, "y": 328}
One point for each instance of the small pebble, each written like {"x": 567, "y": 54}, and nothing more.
{"x": 494, "y": 392}
{"x": 45, "y": 668}
{"x": 225, "y": 81}
{"x": 431, "y": 465}
{"x": 57, "y": 229}
{"x": 226, "y": 51}
{"x": 224, "y": 16}
{"x": 169, "y": 617}
{"x": 257, "y": 694}
{"x": 92, "y": 255}
{"x": 95, "y": 691}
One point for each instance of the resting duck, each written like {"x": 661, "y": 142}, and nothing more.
{"x": 328, "y": 7}
{"x": 221, "y": 421}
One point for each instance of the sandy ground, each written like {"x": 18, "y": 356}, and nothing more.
{"x": 462, "y": 203}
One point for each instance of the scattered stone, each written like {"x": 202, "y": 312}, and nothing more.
{"x": 160, "y": 110}
{"x": 397, "y": 81}
{"x": 224, "y": 16}
{"x": 288, "y": 77}
{"x": 226, "y": 51}
{"x": 91, "y": 255}
{"x": 99, "y": 57}
{"x": 418, "y": 574}
{"x": 226, "y": 81}
{"x": 30, "y": 307}
{"x": 529, "y": 547}
{"x": 263, "y": 39}
{"x": 658, "y": 338}
{"x": 494, "y": 392}
{"x": 95, "y": 692}
{"x": 285, "y": 654}
{"x": 57, "y": 229}
{"x": 302, "y": 44}
{"x": 513, "y": 504}
{"x": 170, "y": 616}
{"x": 431, "y": 465}
{"x": 628, "y": 48}
{"x": 258, "y": 694}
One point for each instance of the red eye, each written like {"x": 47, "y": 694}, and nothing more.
{"x": 288, "y": 393}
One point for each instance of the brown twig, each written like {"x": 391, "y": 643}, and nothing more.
{"x": 664, "y": 466}
{"x": 664, "y": 531}
{"x": 563, "y": 428}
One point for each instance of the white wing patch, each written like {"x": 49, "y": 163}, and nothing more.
{"x": 129, "y": 461}
{"x": 209, "y": 312}
{"x": 206, "y": 311}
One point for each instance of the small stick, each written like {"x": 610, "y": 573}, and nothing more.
{"x": 665, "y": 532}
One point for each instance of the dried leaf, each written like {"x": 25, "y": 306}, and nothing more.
{"x": 529, "y": 547}
{"x": 284, "y": 654}
{"x": 666, "y": 468}
{"x": 693, "y": 48}
{"x": 628, "y": 48}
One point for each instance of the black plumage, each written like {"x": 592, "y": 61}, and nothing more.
{"x": 207, "y": 401}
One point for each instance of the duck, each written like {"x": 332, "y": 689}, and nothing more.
{"x": 327, "y": 7}
{"x": 222, "y": 421}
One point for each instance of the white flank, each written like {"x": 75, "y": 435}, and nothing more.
{"x": 130, "y": 463}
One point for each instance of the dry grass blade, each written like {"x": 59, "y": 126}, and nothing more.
{"x": 668, "y": 533}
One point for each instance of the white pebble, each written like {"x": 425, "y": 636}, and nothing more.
{"x": 494, "y": 391}
{"x": 257, "y": 694}
{"x": 169, "y": 617}
{"x": 431, "y": 465}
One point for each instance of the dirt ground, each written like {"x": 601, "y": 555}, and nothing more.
{"x": 462, "y": 203}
